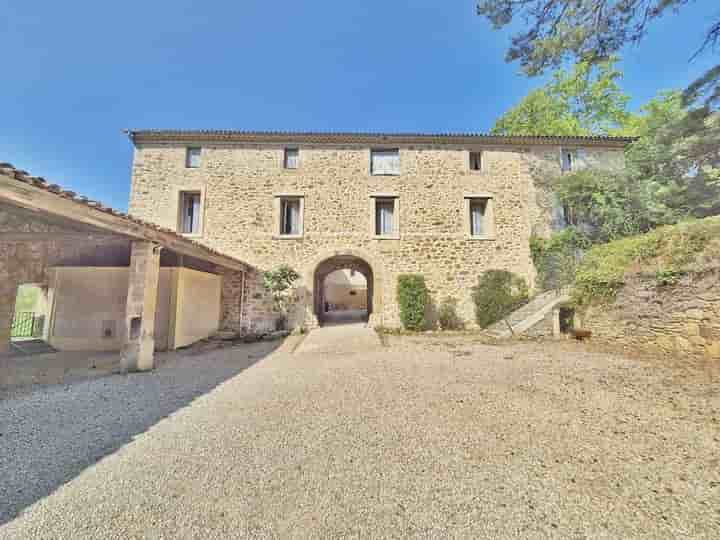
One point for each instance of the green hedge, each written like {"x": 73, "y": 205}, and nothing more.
{"x": 413, "y": 297}
{"x": 665, "y": 254}
{"x": 497, "y": 294}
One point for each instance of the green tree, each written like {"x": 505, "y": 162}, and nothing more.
{"x": 591, "y": 31}
{"x": 666, "y": 179}
{"x": 586, "y": 100}
{"x": 279, "y": 283}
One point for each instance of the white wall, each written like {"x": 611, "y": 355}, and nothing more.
{"x": 84, "y": 298}
{"x": 197, "y": 314}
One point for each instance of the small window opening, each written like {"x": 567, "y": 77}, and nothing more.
{"x": 290, "y": 220}
{"x": 384, "y": 217}
{"x": 567, "y": 317}
{"x": 190, "y": 212}
{"x": 476, "y": 162}
{"x": 291, "y": 159}
{"x": 192, "y": 157}
{"x": 478, "y": 217}
{"x": 385, "y": 162}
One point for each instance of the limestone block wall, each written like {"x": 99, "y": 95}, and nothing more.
{"x": 240, "y": 182}
{"x": 682, "y": 320}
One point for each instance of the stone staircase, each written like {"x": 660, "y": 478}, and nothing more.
{"x": 528, "y": 315}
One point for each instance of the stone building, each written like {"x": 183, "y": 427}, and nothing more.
{"x": 445, "y": 206}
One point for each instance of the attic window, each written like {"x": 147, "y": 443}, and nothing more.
{"x": 192, "y": 157}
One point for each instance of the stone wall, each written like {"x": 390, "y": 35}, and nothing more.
{"x": 239, "y": 184}
{"x": 681, "y": 320}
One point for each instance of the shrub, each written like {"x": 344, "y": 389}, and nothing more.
{"x": 665, "y": 254}
{"x": 497, "y": 294}
{"x": 413, "y": 298}
{"x": 447, "y": 315}
{"x": 557, "y": 258}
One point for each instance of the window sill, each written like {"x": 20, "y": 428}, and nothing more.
{"x": 481, "y": 238}
{"x": 384, "y": 174}
{"x": 287, "y": 236}
{"x": 190, "y": 235}
{"x": 386, "y": 237}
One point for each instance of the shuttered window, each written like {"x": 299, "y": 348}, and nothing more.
{"x": 385, "y": 162}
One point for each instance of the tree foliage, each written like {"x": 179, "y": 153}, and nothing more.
{"x": 497, "y": 294}
{"x": 587, "y": 100}
{"x": 667, "y": 177}
{"x": 590, "y": 31}
{"x": 280, "y": 282}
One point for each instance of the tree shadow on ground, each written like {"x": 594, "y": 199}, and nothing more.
{"x": 50, "y": 435}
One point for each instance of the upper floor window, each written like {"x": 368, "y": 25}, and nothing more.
{"x": 190, "y": 211}
{"x": 479, "y": 213}
{"x": 291, "y": 216}
{"x": 385, "y": 162}
{"x": 292, "y": 158}
{"x": 385, "y": 217}
{"x": 568, "y": 159}
{"x": 476, "y": 161}
{"x": 192, "y": 157}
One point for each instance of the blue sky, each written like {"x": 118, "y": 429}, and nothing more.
{"x": 76, "y": 73}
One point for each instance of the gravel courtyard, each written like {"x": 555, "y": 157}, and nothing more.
{"x": 427, "y": 437}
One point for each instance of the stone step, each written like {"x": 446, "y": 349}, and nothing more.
{"x": 528, "y": 315}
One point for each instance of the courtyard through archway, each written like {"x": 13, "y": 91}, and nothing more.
{"x": 343, "y": 290}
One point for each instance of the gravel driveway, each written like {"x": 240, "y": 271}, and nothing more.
{"x": 425, "y": 438}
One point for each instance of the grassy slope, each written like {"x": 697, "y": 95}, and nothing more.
{"x": 665, "y": 254}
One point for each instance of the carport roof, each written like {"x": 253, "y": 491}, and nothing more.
{"x": 34, "y": 193}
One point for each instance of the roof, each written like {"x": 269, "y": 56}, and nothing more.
{"x": 35, "y": 193}
{"x": 180, "y": 135}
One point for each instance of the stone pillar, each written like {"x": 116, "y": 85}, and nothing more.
{"x": 139, "y": 343}
{"x": 556, "y": 323}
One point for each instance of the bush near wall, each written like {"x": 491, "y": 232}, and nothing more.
{"x": 447, "y": 315}
{"x": 497, "y": 294}
{"x": 664, "y": 254}
{"x": 413, "y": 298}
{"x": 557, "y": 258}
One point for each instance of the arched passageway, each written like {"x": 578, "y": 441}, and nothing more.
{"x": 343, "y": 290}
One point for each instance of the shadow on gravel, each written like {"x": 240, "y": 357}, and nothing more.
{"x": 50, "y": 435}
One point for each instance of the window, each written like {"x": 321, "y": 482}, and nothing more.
{"x": 476, "y": 161}
{"x": 568, "y": 159}
{"x": 385, "y": 162}
{"x": 385, "y": 217}
{"x": 479, "y": 212}
{"x": 290, "y": 216}
{"x": 190, "y": 212}
{"x": 291, "y": 159}
{"x": 192, "y": 158}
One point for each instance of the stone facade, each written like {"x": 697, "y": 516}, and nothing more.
{"x": 240, "y": 184}
{"x": 680, "y": 320}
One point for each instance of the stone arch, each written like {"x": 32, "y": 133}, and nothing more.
{"x": 337, "y": 260}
